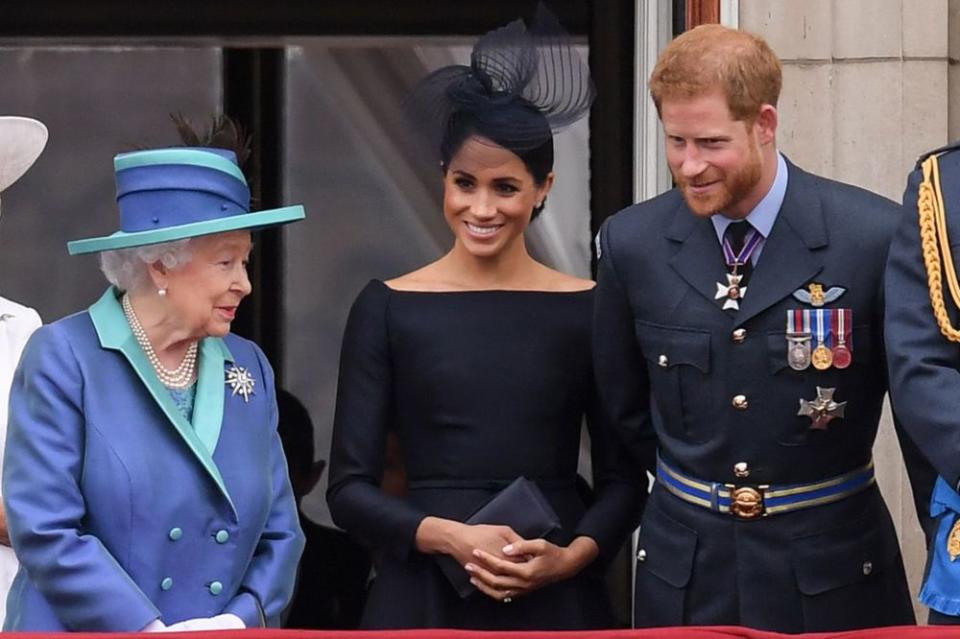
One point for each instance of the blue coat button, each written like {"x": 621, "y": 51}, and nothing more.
{"x": 175, "y": 534}
{"x": 166, "y": 584}
{"x": 222, "y": 536}
{"x": 216, "y": 588}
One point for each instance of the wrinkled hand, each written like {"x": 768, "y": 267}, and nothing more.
{"x": 527, "y": 565}
{"x": 220, "y": 622}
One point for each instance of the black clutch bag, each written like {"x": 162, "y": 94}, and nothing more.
{"x": 522, "y": 506}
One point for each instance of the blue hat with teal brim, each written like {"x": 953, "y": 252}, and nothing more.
{"x": 178, "y": 193}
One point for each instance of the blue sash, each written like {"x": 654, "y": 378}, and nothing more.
{"x": 941, "y": 590}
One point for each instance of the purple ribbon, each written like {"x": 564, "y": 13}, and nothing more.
{"x": 751, "y": 243}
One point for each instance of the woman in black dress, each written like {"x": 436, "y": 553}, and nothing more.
{"x": 481, "y": 364}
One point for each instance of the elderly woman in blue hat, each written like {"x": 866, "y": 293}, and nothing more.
{"x": 144, "y": 482}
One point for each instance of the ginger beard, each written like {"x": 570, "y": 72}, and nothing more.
{"x": 728, "y": 187}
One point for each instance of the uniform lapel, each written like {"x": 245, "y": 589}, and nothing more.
{"x": 699, "y": 259}
{"x": 115, "y": 334}
{"x": 790, "y": 257}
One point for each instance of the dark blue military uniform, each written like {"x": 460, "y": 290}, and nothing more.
{"x": 924, "y": 363}
{"x": 714, "y": 392}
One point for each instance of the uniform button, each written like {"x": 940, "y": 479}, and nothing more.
{"x": 867, "y": 567}
{"x": 663, "y": 361}
{"x": 641, "y": 555}
{"x": 216, "y": 588}
{"x": 739, "y": 335}
{"x": 741, "y": 469}
{"x": 175, "y": 534}
{"x": 166, "y": 584}
{"x": 740, "y": 402}
{"x": 222, "y": 536}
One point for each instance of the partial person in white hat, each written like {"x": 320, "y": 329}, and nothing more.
{"x": 21, "y": 141}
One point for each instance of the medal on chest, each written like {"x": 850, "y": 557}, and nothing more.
{"x": 819, "y": 337}
{"x": 732, "y": 292}
{"x": 798, "y": 339}
{"x": 822, "y": 356}
{"x": 823, "y": 409}
{"x": 842, "y": 325}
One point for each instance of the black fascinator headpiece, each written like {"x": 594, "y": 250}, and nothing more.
{"x": 523, "y": 84}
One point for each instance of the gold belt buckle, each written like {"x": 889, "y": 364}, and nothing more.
{"x": 746, "y": 502}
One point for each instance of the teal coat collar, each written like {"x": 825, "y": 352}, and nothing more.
{"x": 114, "y": 333}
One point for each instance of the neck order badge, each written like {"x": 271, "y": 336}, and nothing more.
{"x": 739, "y": 244}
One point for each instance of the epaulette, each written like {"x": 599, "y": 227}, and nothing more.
{"x": 935, "y": 243}
{"x": 953, "y": 146}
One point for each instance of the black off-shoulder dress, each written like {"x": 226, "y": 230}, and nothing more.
{"x": 480, "y": 387}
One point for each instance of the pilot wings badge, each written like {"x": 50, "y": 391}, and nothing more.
{"x": 816, "y": 296}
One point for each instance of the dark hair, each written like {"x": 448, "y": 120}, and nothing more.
{"x": 464, "y": 125}
{"x": 521, "y": 86}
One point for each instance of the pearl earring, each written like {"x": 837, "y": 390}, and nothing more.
{"x": 162, "y": 292}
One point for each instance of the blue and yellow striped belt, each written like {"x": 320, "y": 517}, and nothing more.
{"x": 754, "y": 501}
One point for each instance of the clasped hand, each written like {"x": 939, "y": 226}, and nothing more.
{"x": 525, "y": 565}
{"x": 501, "y": 563}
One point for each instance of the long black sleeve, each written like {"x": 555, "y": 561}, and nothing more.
{"x": 363, "y": 418}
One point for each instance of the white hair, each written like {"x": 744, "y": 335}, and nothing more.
{"x": 127, "y": 268}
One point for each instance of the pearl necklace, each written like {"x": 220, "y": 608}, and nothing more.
{"x": 179, "y": 378}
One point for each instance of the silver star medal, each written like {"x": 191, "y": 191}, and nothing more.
{"x": 732, "y": 291}
{"x": 823, "y": 409}
{"x": 241, "y": 382}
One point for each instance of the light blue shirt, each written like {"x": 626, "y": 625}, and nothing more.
{"x": 764, "y": 214}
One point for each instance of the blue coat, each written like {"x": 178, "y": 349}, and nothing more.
{"x": 120, "y": 510}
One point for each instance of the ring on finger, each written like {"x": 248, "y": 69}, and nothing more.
{"x": 507, "y": 597}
